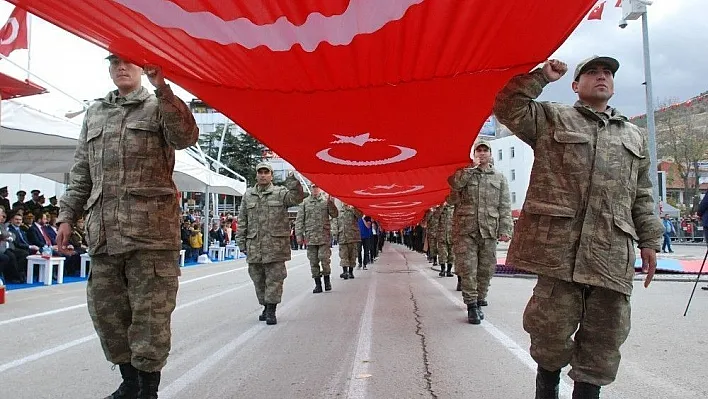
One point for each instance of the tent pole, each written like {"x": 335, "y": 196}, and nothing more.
{"x": 206, "y": 221}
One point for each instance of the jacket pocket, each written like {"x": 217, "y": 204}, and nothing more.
{"x": 277, "y": 219}
{"x": 631, "y": 158}
{"x": 571, "y": 152}
{"x": 143, "y": 138}
{"x": 544, "y": 232}
{"x": 152, "y": 212}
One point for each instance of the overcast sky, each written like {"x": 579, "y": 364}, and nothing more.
{"x": 677, "y": 28}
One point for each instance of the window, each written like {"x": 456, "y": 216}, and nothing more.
{"x": 513, "y": 173}
{"x": 500, "y": 155}
{"x": 513, "y": 197}
{"x": 512, "y": 152}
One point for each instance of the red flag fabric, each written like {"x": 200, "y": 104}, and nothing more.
{"x": 376, "y": 101}
{"x": 596, "y": 12}
{"x": 13, "y": 35}
{"x": 619, "y": 3}
{"x": 14, "y": 88}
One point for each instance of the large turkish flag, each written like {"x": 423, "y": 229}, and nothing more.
{"x": 378, "y": 101}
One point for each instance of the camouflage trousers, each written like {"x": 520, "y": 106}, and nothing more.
{"x": 445, "y": 254}
{"x": 600, "y": 319}
{"x": 432, "y": 244}
{"x": 319, "y": 254}
{"x": 475, "y": 263}
{"x": 348, "y": 253}
{"x": 130, "y": 299}
{"x": 268, "y": 280}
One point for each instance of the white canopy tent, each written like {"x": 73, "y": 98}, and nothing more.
{"x": 41, "y": 144}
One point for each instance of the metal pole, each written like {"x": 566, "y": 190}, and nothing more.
{"x": 221, "y": 146}
{"x": 651, "y": 127}
{"x": 206, "y": 220}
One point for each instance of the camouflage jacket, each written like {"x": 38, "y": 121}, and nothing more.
{"x": 348, "y": 223}
{"x": 432, "y": 223}
{"x": 263, "y": 224}
{"x": 122, "y": 173}
{"x": 589, "y": 197}
{"x": 445, "y": 224}
{"x": 481, "y": 200}
{"x": 312, "y": 223}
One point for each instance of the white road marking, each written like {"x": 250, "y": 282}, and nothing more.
{"x": 357, "y": 383}
{"x": 508, "y": 343}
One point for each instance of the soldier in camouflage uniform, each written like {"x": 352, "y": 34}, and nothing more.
{"x": 264, "y": 234}
{"x": 589, "y": 200}
{"x": 482, "y": 216}
{"x": 349, "y": 237}
{"x": 313, "y": 225}
{"x": 432, "y": 233}
{"x": 445, "y": 251}
{"x": 122, "y": 179}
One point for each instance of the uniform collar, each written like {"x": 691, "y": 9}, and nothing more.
{"x": 611, "y": 113}
{"x": 136, "y": 96}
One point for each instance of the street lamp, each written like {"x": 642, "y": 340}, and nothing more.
{"x": 632, "y": 10}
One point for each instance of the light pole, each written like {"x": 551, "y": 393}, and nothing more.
{"x": 631, "y": 10}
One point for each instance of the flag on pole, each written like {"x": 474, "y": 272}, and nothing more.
{"x": 596, "y": 12}
{"x": 13, "y": 35}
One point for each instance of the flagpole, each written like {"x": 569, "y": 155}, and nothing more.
{"x": 43, "y": 81}
{"x": 29, "y": 43}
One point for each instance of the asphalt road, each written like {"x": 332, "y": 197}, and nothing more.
{"x": 396, "y": 331}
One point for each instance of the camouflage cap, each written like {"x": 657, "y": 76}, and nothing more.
{"x": 482, "y": 143}
{"x": 596, "y": 59}
{"x": 264, "y": 165}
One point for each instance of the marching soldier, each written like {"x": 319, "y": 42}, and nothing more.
{"x": 348, "y": 237}
{"x": 482, "y": 216}
{"x": 264, "y": 235}
{"x": 589, "y": 200}
{"x": 122, "y": 177}
{"x": 313, "y": 226}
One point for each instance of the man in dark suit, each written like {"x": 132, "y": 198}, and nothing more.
{"x": 52, "y": 208}
{"x": 4, "y": 202}
{"x": 8, "y": 258}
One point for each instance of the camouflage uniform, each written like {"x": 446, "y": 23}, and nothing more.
{"x": 589, "y": 199}
{"x": 264, "y": 232}
{"x": 445, "y": 251}
{"x": 348, "y": 237}
{"x": 122, "y": 178}
{"x": 313, "y": 225}
{"x": 432, "y": 233}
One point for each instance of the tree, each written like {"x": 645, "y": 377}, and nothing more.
{"x": 210, "y": 142}
{"x": 242, "y": 153}
{"x": 681, "y": 136}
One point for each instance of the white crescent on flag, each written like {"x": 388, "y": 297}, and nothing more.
{"x": 15, "y": 26}
{"x": 360, "y": 17}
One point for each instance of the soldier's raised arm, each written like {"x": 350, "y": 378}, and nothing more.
{"x": 459, "y": 179}
{"x": 295, "y": 193}
{"x": 79, "y": 188}
{"x": 515, "y": 106}
{"x": 178, "y": 125}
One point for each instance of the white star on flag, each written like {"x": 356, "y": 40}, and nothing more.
{"x": 359, "y": 140}
{"x": 386, "y": 187}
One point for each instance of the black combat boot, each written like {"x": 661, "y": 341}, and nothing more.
{"x": 547, "y": 383}
{"x": 262, "y": 316}
{"x": 482, "y": 302}
{"x": 149, "y": 382}
{"x": 583, "y": 390}
{"x": 479, "y": 311}
{"x": 318, "y": 285}
{"x": 270, "y": 314}
{"x": 435, "y": 260}
{"x": 459, "y": 284}
{"x": 129, "y": 388}
{"x": 327, "y": 283}
{"x": 442, "y": 271}
{"x": 351, "y": 272}
{"x": 449, "y": 270}
{"x": 345, "y": 274}
{"x": 473, "y": 313}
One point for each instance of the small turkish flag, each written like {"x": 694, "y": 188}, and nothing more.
{"x": 596, "y": 12}
{"x": 619, "y": 3}
{"x": 13, "y": 34}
